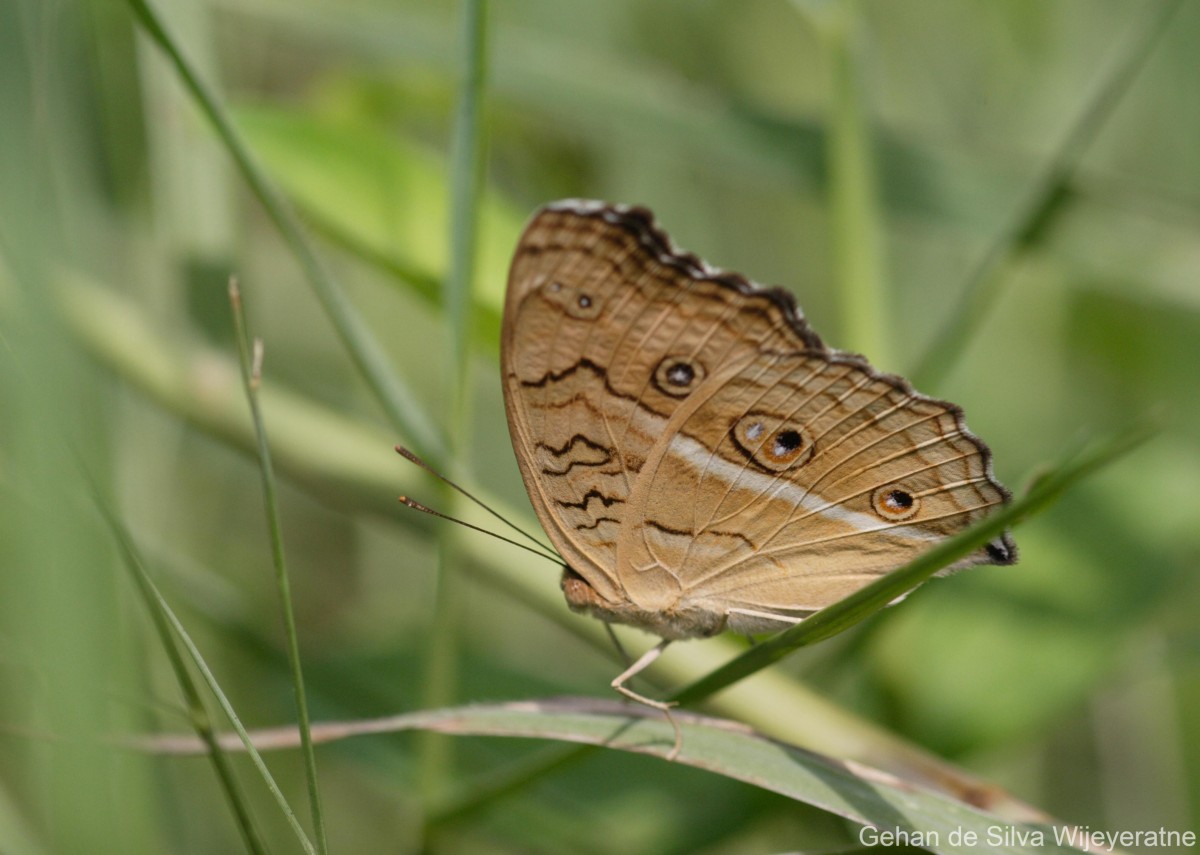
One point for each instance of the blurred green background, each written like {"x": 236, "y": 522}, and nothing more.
{"x": 866, "y": 156}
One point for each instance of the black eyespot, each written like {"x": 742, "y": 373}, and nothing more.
{"x": 786, "y": 441}
{"x": 677, "y": 376}
{"x": 895, "y": 503}
{"x": 680, "y": 374}
{"x": 770, "y": 443}
{"x": 575, "y": 300}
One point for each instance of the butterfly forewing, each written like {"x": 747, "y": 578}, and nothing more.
{"x": 601, "y": 334}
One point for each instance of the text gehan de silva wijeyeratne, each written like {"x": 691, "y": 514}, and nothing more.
{"x": 1077, "y": 837}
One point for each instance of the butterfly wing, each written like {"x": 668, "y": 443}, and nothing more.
{"x": 693, "y": 449}
{"x": 602, "y": 323}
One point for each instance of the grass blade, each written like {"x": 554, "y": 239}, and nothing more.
{"x": 169, "y": 629}
{"x": 845, "y": 613}
{"x": 251, "y": 378}
{"x": 466, "y": 177}
{"x": 850, "y": 790}
{"x": 398, "y": 402}
{"x": 1039, "y": 206}
{"x": 853, "y": 190}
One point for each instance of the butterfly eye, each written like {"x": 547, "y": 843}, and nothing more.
{"x": 895, "y": 503}
{"x": 677, "y": 376}
{"x": 770, "y": 445}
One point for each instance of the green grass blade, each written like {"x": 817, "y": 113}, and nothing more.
{"x": 1039, "y": 206}
{"x": 466, "y": 178}
{"x": 168, "y": 627}
{"x": 486, "y": 790}
{"x": 171, "y": 628}
{"x": 854, "y": 191}
{"x": 399, "y": 403}
{"x": 845, "y": 613}
{"x": 251, "y": 378}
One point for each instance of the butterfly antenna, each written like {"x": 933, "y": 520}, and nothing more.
{"x": 542, "y": 549}
{"x": 417, "y": 506}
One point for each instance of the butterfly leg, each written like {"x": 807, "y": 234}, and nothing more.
{"x": 633, "y": 670}
{"x": 625, "y": 657}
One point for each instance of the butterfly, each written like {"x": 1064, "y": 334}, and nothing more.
{"x": 697, "y": 455}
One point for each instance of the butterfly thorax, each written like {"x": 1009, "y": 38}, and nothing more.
{"x": 675, "y": 622}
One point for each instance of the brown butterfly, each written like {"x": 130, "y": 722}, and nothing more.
{"x": 696, "y": 454}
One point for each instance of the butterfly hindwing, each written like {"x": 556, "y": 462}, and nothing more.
{"x": 799, "y": 480}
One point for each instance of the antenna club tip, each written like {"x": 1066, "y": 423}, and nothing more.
{"x": 412, "y": 457}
